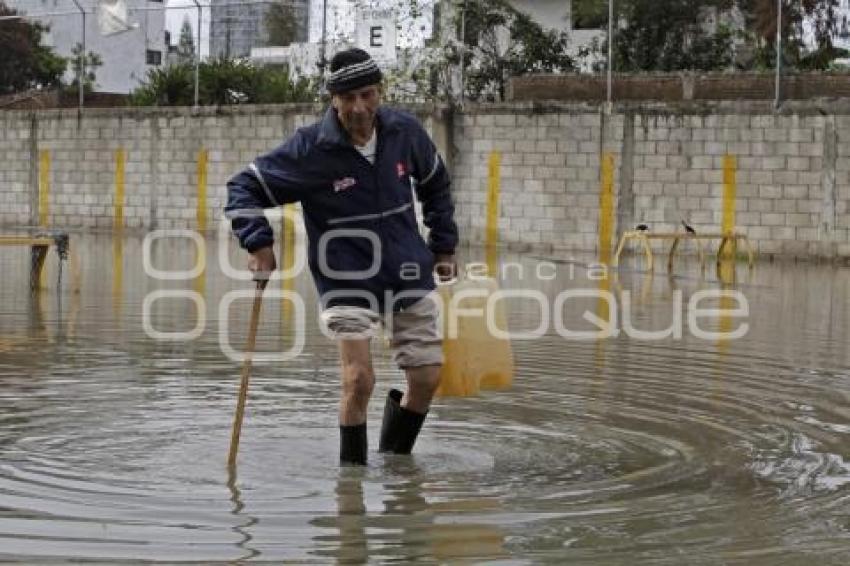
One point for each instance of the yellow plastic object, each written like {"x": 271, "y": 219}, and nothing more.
{"x": 475, "y": 359}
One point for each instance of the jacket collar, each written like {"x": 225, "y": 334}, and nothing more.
{"x": 331, "y": 131}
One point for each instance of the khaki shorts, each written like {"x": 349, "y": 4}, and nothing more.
{"x": 415, "y": 333}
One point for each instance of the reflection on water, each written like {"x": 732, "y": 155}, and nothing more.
{"x": 244, "y": 528}
{"x": 614, "y": 451}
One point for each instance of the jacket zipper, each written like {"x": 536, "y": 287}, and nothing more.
{"x": 375, "y": 176}
{"x": 377, "y": 184}
{"x": 379, "y": 209}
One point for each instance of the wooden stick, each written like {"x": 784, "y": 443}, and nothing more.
{"x": 246, "y": 373}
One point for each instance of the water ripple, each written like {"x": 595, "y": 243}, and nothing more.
{"x": 623, "y": 451}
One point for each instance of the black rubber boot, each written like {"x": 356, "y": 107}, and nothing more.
{"x": 353, "y": 445}
{"x": 389, "y": 428}
{"x": 409, "y": 426}
{"x": 400, "y": 426}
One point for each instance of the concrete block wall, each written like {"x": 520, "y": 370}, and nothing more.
{"x": 791, "y": 194}
{"x": 792, "y": 174}
{"x": 161, "y": 161}
{"x": 549, "y": 173}
{"x": 16, "y": 169}
{"x": 678, "y": 172}
{"x": 791, "y": 171}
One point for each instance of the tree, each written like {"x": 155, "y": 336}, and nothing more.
{"x": 685, "y": 34}
{"x": 172, "y": 85}
{"x": 668, "y": 36}
{"x": 822, "y": 17}
{"x": 500, "y": 42}
{"x": 221, "y": 82}
{"x": 186, "y": 44}
{"x": 589, "y": 14}
{"x": 91, "y": 61}
{"x": 281, "y": 25}
{"x": 26, "y": 63}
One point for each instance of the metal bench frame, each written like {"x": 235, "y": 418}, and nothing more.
{"x": 39, "y": 245}
{"x": 643, "y": 237}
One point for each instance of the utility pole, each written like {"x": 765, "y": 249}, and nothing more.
{"x": 776, "y": 100}
{"x": 462, "y": 52}
{"x": 197, "y": 53}
{"x": 82, "y": 63}
{"x": 322, "y": 51}
{"x": 610, "y": 89}
{"x": 227, "y": 20}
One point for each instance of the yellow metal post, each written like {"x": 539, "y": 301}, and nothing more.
{"x": 200, "y": 282}
{"x": 287, "y": 257}
{"x": 201, "y": 214}
{"x": 606, "y": 224}
{"x": 120, "y": 158}
{"x": 43, "y": 187}
{"x": 288, "y": 243}
{"x": 493, "y": 190}
{"x": 117, "y": 274}
{"x": 727, "y": 273}
{"x": 603, "y": 311}
{"x": 38, "y": 278}
{"x": 730, "y": 166}
{"x": 202, "y": 190}
{"x": 606, "y": 208}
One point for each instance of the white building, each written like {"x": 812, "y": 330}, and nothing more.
{"x": 340, "y": 24}
{"x": 842, "y": 38}
{"x": 236, "y": 28}
{"x": 558, "y": 15}
{"x": 127, "y": 56}
{"x": 301, "y": 58}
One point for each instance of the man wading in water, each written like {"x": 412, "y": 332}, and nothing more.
{"x": 353, "y": 171}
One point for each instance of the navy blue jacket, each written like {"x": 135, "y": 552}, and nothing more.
{"x": 350, "y": 206}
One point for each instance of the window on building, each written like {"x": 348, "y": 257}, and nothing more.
{"x": 590, "y": 14}
{"x": 153, "y": 57}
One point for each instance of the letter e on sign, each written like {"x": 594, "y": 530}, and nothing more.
{"x": 376, "y": 37}
{"x": 376, "y": 33}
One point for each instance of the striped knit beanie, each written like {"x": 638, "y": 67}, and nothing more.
{"x": 352, "y": 69}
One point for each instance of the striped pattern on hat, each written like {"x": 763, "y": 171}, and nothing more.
{"x": 352, "y": 69}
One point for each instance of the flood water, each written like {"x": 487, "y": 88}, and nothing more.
{"x": 623, "y": 450}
